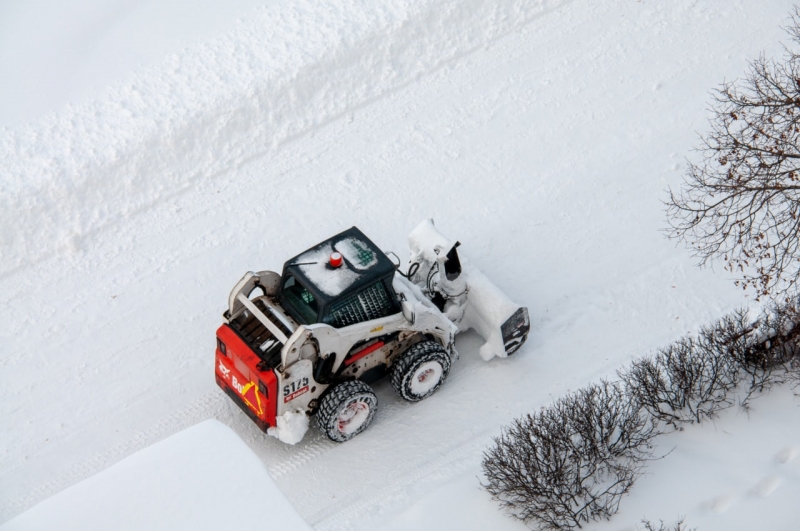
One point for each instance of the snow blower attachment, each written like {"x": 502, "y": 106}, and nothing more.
{"x": 464, "y": 294}
{"x": 308, "y": 342}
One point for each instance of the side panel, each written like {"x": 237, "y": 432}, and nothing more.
{"x": 352, "y": 351}
{"x": 236, "y": 371}
{"x": 297, "y": 387}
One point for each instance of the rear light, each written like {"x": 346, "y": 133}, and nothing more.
{"x": 263, "y": 389}
{"x": 221, "y": 347}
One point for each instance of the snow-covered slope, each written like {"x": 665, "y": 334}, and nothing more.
{"x": 53, "y": 53}
{"x": 189, "y": 481}
{"x": 540, "y": 134}
{"x": 288, "y": 70}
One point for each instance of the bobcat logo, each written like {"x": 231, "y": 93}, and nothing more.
{"x": 224, "y": 370}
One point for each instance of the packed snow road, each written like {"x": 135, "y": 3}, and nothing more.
{"x": 543, "y": 144}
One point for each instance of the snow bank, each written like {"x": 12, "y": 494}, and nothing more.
{"x": 279, "y": 75}
{"x": 54, "y": 52}
{"x": 202, "y": 478}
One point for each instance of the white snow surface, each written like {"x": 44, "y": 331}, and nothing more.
{"x": 539, "y": 133}
{"x": 189, "y": 481}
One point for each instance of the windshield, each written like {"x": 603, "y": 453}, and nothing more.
{"x": 300, "y": 300}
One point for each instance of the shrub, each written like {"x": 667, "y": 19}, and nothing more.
{"x": 572, "y": 462}
{"x": 770, "y": 354}
{"x": 649, "y": 526}
{"x": 690, "y": 380}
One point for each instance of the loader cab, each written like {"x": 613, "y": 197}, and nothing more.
{"x": 342, "y": 281}
{"x": 299, "y": 300}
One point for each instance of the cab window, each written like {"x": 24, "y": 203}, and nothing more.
{"x": 300, "y": 299}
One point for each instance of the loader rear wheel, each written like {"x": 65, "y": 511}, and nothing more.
{"x": 420, "y": 371}
{"x": 347, "y": 410}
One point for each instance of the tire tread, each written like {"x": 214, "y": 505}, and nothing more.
{"x": 416, "y": 355}
{"x": 334, "y": 400}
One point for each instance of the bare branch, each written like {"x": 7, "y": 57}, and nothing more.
{"x": 740, "y": 202}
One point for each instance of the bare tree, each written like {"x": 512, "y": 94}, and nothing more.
{"x": 741, "y": 202}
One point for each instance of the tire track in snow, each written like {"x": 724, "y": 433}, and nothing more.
{"x": 302, "y": 455}
{"x": 356, "y": 504}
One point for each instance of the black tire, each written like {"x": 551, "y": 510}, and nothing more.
{"x": 422, "y": 361}
{"x": 346, "y": 410}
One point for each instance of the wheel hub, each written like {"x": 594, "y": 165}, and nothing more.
{"x": 426, "y": 378}
{"x": 352, "y": 417}
{"x": 424, "y": 375}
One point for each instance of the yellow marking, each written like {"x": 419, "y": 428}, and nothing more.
{"x": 255, "y": 392}
{"x": 376, "y": 329}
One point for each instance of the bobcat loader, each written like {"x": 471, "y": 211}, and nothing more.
{"x": 310, "y": 340}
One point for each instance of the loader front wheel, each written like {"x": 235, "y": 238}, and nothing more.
{"x": 346, "y": 410}
{"x": 420, "y": 371}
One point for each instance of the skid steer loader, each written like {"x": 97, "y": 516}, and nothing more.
{"x": 310, "y": 340}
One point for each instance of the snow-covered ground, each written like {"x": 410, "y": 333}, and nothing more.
{"x": 539, "y": 133}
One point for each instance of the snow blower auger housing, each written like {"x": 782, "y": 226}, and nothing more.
{"x": 341, "y": 315}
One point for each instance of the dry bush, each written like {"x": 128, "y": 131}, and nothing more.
{"x": 770, "y": 354}
{"x": 572, "y": 462}
{"x": 794, "y": 375}
{"x": 690, "y": 380}
{"x": 695, "y": 378}
{"x": 650, "y": 526}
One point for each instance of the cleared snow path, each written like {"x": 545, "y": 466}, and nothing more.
{"x": 539, "y": 134}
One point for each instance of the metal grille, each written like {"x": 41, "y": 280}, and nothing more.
{"x": 370, "y": 303}
{"x": 258, "y": 336}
